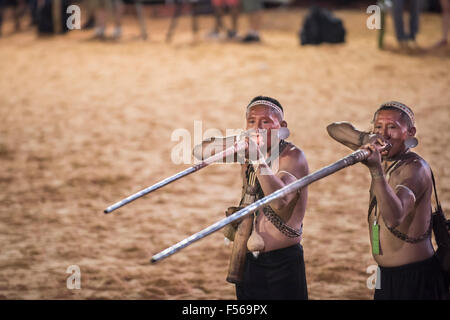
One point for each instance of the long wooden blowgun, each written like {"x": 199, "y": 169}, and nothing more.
{"x": 351, "y": 159}
{"x": 282, "y": 133}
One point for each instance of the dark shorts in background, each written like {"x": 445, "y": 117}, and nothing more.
{"x": 274, "y": 275}
{"x": 422, "y": 280}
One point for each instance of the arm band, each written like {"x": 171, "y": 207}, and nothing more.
{"x": 407, "y": 189}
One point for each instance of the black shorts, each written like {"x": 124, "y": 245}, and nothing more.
{"x": 274, "y": 275}
{"x": 422, "y": 280}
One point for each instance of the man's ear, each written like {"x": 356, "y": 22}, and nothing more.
{"x": 411, "y": 141}
{"x": 284, "y": 123}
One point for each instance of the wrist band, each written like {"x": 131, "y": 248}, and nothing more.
{"x": 376, "y": 175}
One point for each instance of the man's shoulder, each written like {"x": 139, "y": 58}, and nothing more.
{"x": 415, "y": 166}
{"x": 413, "y": 173}
{"x": 416, "y": 163}
{"x": 293, "y": 160}
{"x": 292, "y": 152}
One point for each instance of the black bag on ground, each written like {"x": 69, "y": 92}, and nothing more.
{"x": 321, "y": 26}
{"x": 440, "y": 229}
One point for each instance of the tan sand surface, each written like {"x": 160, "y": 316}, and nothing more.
{"x": 87, "y": 123}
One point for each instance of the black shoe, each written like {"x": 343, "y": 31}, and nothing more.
{"x": 90, "y": 24}
{"x": 251, "y": 38}
{"x": 231, "y": 34}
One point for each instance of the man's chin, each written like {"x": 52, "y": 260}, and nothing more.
{"x": 390, "y": 154}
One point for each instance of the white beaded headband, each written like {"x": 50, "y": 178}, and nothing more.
{"x": 266, "y": 103}
{"x": 399, "y": 106}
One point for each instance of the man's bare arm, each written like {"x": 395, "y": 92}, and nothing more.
{"x": 347, "y": 134}
{"x": 293, "y": 166}
{"x": 395, "y": 204}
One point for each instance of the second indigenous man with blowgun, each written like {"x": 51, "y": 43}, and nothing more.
{"x": 267, "y": 258}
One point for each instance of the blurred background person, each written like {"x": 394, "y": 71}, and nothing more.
{"x": 254, "y": 10}
{"x": 178, "y": 6}
{"x": 51, "y": 17}
{"x": 102, "y": 8}
{"x": 406, "y": 40}
{"x": 2, "y": 4}
{"x": 219, "y": 7}
{"x": 445, "y": 6}
{"x": 19, "y": 8}
{"x": 89, "y": 14}
{"x": 33, "y": 5}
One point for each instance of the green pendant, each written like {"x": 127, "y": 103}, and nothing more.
{"x": 376, "y": 239}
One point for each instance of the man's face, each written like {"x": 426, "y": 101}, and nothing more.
{"x": 263, "y": 119}
{"x": 388, "y": 123}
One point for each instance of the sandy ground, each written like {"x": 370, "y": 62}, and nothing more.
{"x": 86, "y": 123}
